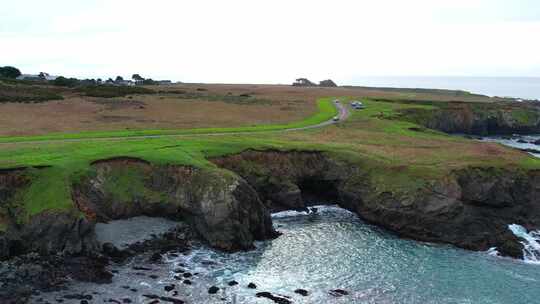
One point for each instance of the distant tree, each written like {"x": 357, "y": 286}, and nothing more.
{"x": 149, "y": 81}
{"x": 88, "y": 82}
{"x": 119, "y": 79}
{"x": 109, "y": 81}
{"x": 303, "y": 82}
{"x": 327, "y": 83}
{"x": 9, "y": 72}
{"x": 137, "y": 77}
{"x": 65, "y": 82}
{"x": 99, "y": 81}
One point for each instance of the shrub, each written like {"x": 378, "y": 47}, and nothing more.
{"x": 9, "y": 72}
{"x": 110, "y": 91}
{"x": 327, "y": 83}
{"x": 65, "y": 82}
{"x": 9, "y": 93}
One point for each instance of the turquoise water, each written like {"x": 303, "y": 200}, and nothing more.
{"x": 322, "y": 251}
{"x": 334, "y": 249}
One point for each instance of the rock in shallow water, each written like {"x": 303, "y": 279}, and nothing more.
{"x": 338, "y": 292}
{"x": 275, "y": 299}
{"x": 302, "y": 292}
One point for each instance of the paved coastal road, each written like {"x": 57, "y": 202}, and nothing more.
{"x": 343, "y": 115}
{"x": 342, "y": 109}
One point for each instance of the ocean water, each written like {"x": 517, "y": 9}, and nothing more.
{"x": 327, "y": 250}
{"x": 523, "y": 142}
{"x": 518, "y": 87}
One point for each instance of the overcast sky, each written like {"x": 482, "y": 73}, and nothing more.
{"x": 255, "y": 41}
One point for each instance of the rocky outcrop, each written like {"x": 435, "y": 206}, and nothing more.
{"x": 229, "y": 207}
{"x": 49, "y": 232}
{"x": 470, "y": 208}
{"x": 222, "y": 207}
{"x": 478, "y": 118}
{"x": 288, "y": 180}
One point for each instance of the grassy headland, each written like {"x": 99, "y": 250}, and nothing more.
{"x": 397, "y": 153}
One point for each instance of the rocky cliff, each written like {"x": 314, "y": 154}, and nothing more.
{"x": 230, "y": 207}
{"x": 477, "y": 118}
{"x": 470, "y": 208}
{"x": 222, "y": 207}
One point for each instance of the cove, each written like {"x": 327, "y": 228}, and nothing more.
{"x": 330, "y": 249}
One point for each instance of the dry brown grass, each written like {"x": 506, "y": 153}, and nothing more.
{"x": 171, "y": 111}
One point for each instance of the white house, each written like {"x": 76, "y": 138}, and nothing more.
{"x": 40, "y": 76}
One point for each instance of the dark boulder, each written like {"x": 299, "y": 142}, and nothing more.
{"x": 302, "y": 292}
{"x": 213, "y": 290}
{"x": 275, "y": 299}
{"x": 339, "y": 292}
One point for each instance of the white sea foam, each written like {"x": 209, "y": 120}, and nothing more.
{"x": 531, "y": 243}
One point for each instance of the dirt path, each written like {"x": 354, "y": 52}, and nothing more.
{"x": 343, "y": 115}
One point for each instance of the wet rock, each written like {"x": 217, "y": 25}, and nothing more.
{"x": 171, "y": 300}
{"x": 301, "y": 292}
{"x": 141, "y": 268}
{"x": 127, "y": 300}
{"x": 522, "y": 141}
{"x": 114, "y": 301}
{"x": 133, "y": 290}
{"x": 232, "y": 283}
{"x": 537, "y": 142}
{"x": 252, "y": 286}
{"x": 213, "y": 290}
{"x": 87, "y": 269}
{"x": 150, "y": 296}
{"x": 338, "y": 292}
{"x": 187, "y": 275}
{"x": 78, "y": 297}
{"x": 84, "y": 302}
{"x": 179, "y": 270}
{"x": 275, "y": 299}
{"x": 187, "y": 282}
{"x": 112, "y": 251}
{"x": 169, "y": 287}
{"x": 153, "y": 276}
{"x": 153, "y": 302}
{"x": 155, "y": 258}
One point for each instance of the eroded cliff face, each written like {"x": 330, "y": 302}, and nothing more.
{"x": 289, "y": 180}
{"x": 10, "y": 180}
{"x": 470, "y": 208}
{"x": 478, "y": 119}
{"x": 230, "y": 207}
{"x": 52, "y": 231}
{"x": 222, "y": 207}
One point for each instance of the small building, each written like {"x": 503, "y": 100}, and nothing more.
{"x": 29, "y": 77}
{"x": 125, "y": 83}
{"x": 42, "y": 76}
